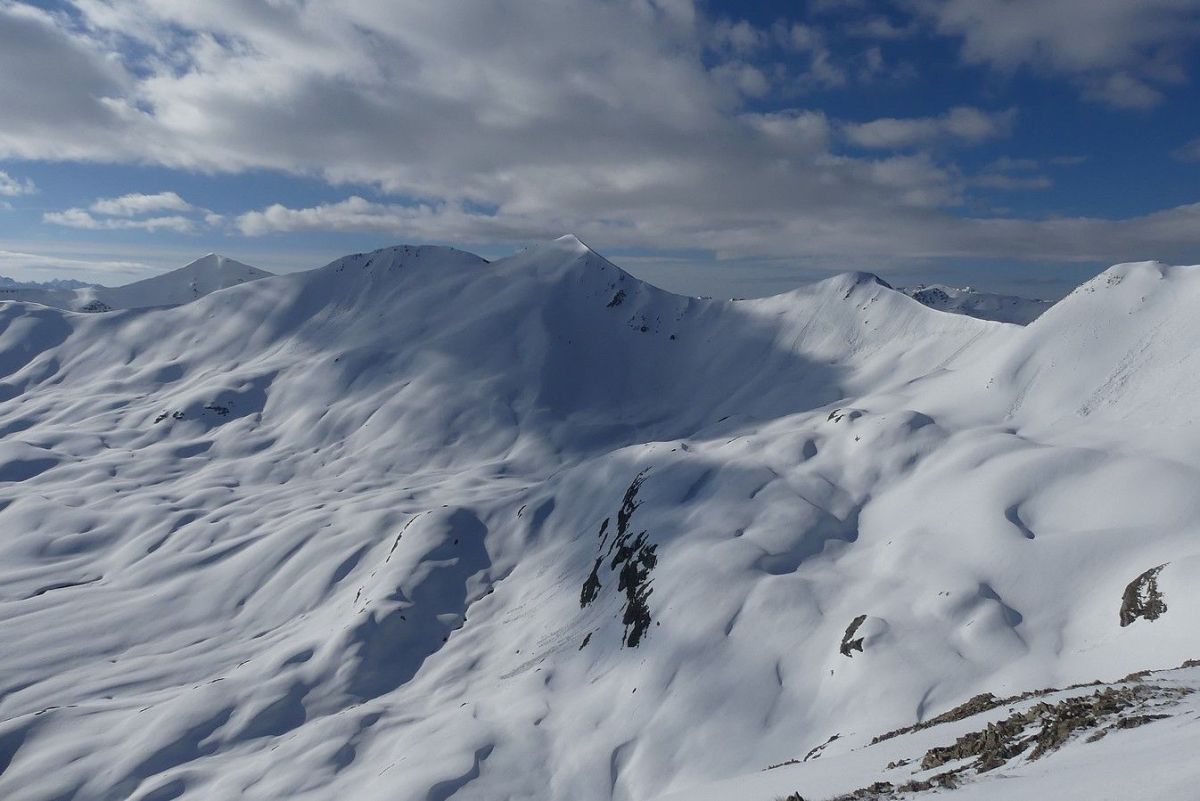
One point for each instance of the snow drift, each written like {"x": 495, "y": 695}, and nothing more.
{"x": 415, "y": 525}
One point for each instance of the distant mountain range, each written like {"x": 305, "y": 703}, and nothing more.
{"x": 984, "y": 305}
{"x": 57, "y": 283}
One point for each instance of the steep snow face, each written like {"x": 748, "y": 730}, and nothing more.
{"x": 984, "y": 305}
{"x": 203, "y": 276}
{"x": 416, "y": 525}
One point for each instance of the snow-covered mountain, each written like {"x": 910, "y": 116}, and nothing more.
{"x": 57, "y": 283}
{"x": 984, "y": 305}
{"x": 415, "y": 525}
{"x": 195, "y": 280}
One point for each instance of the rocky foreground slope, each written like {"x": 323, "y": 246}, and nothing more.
{"x": 418, "y": 526}
{"x": 1092, "y": 741}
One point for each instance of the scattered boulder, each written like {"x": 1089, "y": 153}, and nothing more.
{"x": 850, "y": 644}
{"x": 1142, "y": 598}
{"x": 816, "y": 751}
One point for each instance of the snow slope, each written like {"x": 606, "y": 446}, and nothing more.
{"x": 418, "y": 526}
{"x": 984, "y": 305}
{"x": 195, "y": 280}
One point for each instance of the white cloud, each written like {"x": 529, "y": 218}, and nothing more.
{"x": 821, "y": 241}
{"x": 807, "y": 131}
{"x": 823, "y": 70}
{"x": 1010, "y": 164}
{"x": 1066, "y": 35}
{"x": 58, "y": 90}
{"x": 963, "y": 124}
{"x": 40, "y": 266}
{"x": 740, "y": 37}
{"x": 999, "y": 180}
{"x": 635, "y": 133}
{"x": 1167, "y": 235}
{"x": 1115, "y": 49}
{"x": 79, "y": 218}
{"x": 352, "y": 214}
{"x": 136, "y": 212}
{"x": 1188, "y": 152}
{"x": 1009, "y": 174}
{"x": 417, "y": 222}
{"x": 745, "y": 78}
{"x": 1122, "y": 90}
{"x": 882, "y": 29}
{"x": 12, "y": 187}
{"x": 136, "y": 204}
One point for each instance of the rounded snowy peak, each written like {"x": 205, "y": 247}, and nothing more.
{"x": 842, "y": 286}
{"x": 397, "y": 257}
{"x": 857, "y": 278}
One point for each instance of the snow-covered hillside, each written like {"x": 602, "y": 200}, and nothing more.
{"x": 984, "y": 305}
{"x": 195, "y": 280}
{"x": 418, "y": 526}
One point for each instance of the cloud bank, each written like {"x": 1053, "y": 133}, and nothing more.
{"x": 636, "y": 123}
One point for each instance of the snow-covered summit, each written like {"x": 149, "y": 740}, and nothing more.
{"x": 195, "y": 280}
{"x": 860, "y": 278}
{"x": 571, "y": 242}
{"x": 201, "y": 277}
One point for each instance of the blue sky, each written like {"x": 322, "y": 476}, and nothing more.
{"x": 713, "y": 148}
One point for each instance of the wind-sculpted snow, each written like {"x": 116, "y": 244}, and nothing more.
{"x": 335, "y": 534}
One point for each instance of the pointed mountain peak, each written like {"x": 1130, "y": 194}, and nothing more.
{"x": 572, "y": 242}
{"x": 218, "y": 262}
{"x": 207, "y": 260}
{"x": 851, "y": 281}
